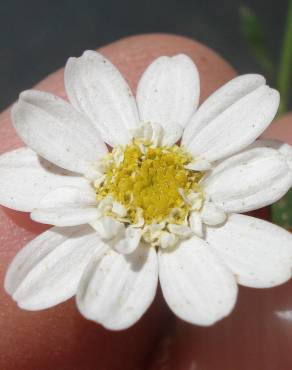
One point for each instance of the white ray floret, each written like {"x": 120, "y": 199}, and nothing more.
{"x": 150, "y": 208}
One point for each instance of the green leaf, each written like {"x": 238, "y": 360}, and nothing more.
{"x": 253, "y": 33}
{"x": 282, "y": 211}
{"x": 285, "y": 66}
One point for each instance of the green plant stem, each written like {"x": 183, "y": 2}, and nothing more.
{"x": 285, "y": 67}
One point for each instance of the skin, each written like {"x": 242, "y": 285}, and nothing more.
{"x": 59, "y": 338}
{"x": 280, "y": 129}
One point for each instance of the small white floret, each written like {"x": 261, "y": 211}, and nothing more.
{"x": 129, "y": 241}
{"x": 193, "y": 199}
{"x": 212, "y": 214}
{"x": 118, "y": 154}
{"x": 140, "y": 219}
{"x": 196, "y": 223}
{"x": 151, "y": 233}
{"x": 182, "y": 231}
{"x": 118, "y": 209}
{"x": 151, "y": 132}
{"x": 167, "y": 240}
{"x": 200, "y": 164}
{"x": 107, "y": 227}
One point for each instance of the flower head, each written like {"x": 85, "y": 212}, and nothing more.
{"x": 149, "y": 208}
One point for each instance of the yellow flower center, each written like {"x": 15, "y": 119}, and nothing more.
{"x": 152, "y": 181}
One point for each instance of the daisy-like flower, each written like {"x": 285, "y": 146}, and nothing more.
{"x": 150, "y": 208}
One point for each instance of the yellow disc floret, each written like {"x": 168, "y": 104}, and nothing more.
{"x": 151, "y": 179}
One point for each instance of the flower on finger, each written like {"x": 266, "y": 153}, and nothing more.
{"x": 149, "y": 209}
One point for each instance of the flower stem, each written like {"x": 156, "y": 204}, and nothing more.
{"x": 285, "y": 67}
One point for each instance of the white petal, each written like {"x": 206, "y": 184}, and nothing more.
{"x": 95, "y": 87}
{"x": 168, "y": 92}
{"x": 116, "y": 290}
{"x": 48, "y": 269}
{"x": 219, "y": 101}
{"x": 108, "y": 228}
{"x": 65, "y": 216}
{"x": 52, "y": 128}
{"x": 249, "y": 180}
{"x": 283, "y": 148}
{"x": 258, "y": 252}
{"x": 69, "y": 196}
{"x": 25, "y": 178}
{"x": 196, "y": 223}
{"x": 67, "y": 206}
{"x": 231, "y": 118}
{"x": 129, "y": 241}
{"x": 195, "y": 284}
{"x": 212, "y": 215}
{"x": 286, "y": 150}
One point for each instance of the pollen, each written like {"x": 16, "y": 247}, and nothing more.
{"x": 150, "y": 180}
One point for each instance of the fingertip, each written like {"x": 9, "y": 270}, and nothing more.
{"x": 133, "y": 54}
{"x": 280, "y": 129}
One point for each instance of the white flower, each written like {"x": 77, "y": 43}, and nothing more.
{"x": 149, "y": 208}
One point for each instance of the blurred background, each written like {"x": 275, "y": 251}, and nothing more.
{"x": 37, "y": 37}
